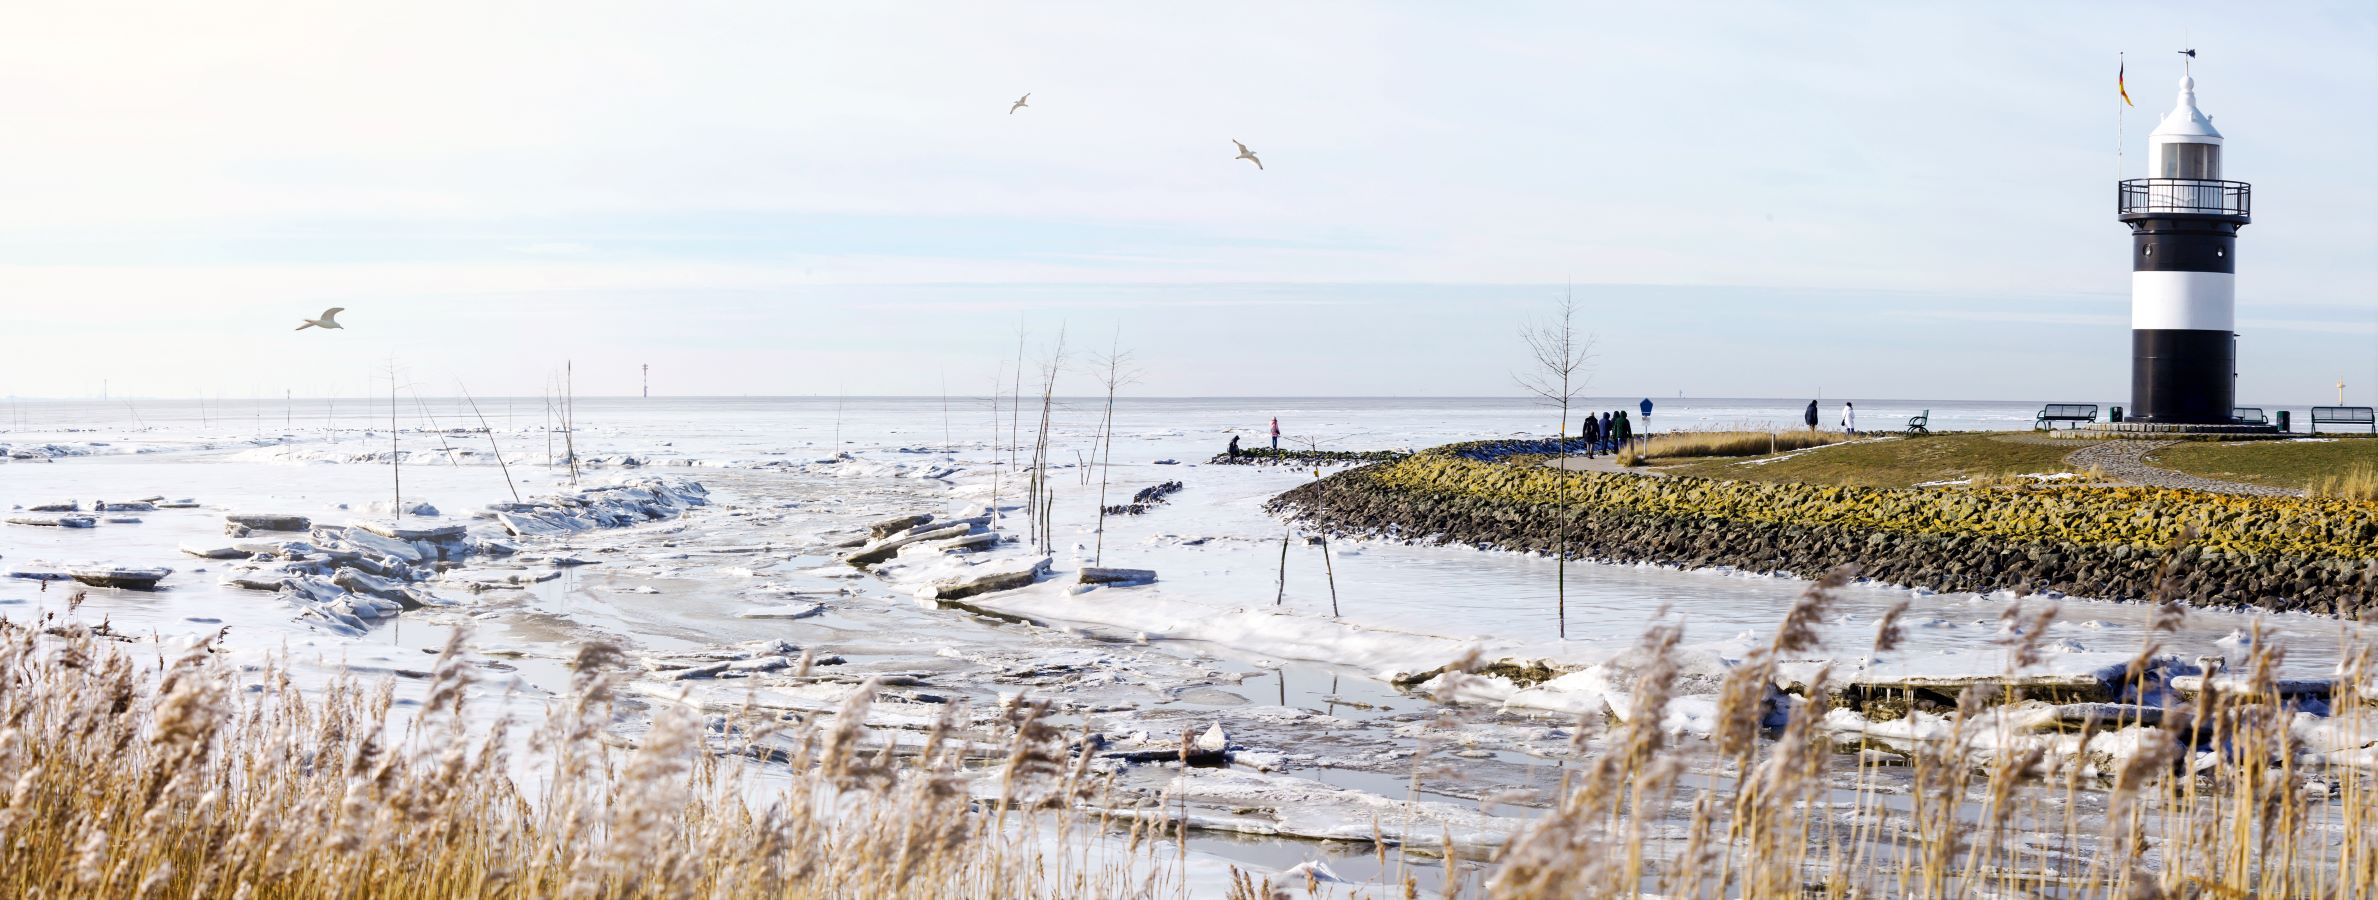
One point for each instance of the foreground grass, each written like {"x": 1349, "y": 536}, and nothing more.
{"x": 2285, "y": 464}
{"x": 153, "y": 774}
{"x": 1894, "y": 462}
{"x": 2219, "y": 800}
{"x": 130, "y": 773}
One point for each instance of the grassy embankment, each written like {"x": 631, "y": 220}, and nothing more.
{"x": 1890, "y": 462}
{"x": 2344, "y": 467}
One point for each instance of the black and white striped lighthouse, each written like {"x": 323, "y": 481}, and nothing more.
{"x": 2184, "y": 223}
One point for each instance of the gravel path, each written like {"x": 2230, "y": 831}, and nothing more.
{"x": 2127, "y": 460}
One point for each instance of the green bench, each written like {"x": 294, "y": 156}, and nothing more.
{"x": 2053, "y": 413}
{"x": 1919, "y": 424}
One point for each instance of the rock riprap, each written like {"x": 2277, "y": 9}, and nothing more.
{"x": 2286, "y": 553}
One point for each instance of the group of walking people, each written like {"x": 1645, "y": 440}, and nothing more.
{"x": 1849, "y": 417}
{"x": 1607, "y": 432}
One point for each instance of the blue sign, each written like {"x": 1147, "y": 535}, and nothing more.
{"x": 1647, "y": 407}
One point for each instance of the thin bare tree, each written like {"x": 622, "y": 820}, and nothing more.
{"x": 996, "y": 467}
{"x": 1042, "y": 492}
{"x": 491, "y": 444}
{"x": 1115, "y": 372}
{"x": 396, "y": 474}
{"x": 569, "y": 416}
{"x": 1564, "y": 364}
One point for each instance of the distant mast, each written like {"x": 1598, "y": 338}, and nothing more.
{"x": 647, "y": 381}
{"x": 2184, "y": 223}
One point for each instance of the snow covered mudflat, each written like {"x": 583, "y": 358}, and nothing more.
{"x": 715, "y": 540}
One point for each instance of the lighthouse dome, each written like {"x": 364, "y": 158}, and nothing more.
{"x": 2186, "y": 124}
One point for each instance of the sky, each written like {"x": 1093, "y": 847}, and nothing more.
{"x": 1889, "y": 200}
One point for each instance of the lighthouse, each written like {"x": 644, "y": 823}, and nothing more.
{"x": 2184, "y": 222}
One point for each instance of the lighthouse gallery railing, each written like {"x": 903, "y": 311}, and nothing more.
{"x": 2195, "y": 196}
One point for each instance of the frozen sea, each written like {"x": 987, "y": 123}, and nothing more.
{"x": 1221, "y": 637}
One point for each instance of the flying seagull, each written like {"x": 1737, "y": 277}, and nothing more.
{"x": 330, "y": 319}
{"x": 1020, "y": 104}
{"x": 1246, "y": 154}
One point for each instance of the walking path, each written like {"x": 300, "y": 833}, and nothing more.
{"x": 2127, "y": 461}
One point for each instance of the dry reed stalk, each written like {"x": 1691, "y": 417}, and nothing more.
{"x": 2360, "y": 483}
{"x": 174, "y": 782}
{"x": 1693, "y": 444}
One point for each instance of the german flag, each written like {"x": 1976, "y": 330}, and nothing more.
{"x": 2120, "y": 68}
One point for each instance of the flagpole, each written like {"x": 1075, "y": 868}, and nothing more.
{"x": 2121, "y": 113}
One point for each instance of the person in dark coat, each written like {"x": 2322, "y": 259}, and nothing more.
{"x": 1810, "y": 416}
{"x": 1234, "y": 446}
{"x": 1609, "y": 434}
{"x": 1591, "y": 433}
{"x": 1626, "y": 430}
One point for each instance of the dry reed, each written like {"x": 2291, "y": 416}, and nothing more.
{"x": 134, "y": 773}
{"x": 1691, "y": 444}
{"x": 2360, "y": 483}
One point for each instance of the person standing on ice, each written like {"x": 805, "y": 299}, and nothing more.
{"x": 1849, "y": 418}
{"x": 1591, "y": 434}
{"x": 1234, "y": 448}
{"x": 1810, "y": 416}
{"x": 1275, "y": 432}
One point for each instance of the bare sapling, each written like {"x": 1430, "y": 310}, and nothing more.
{"x": 1564, "y": 363}
{"x": 1116, "y": 372}
{"x": 1041, "y": 491}
{"x": 444, "y": 448}
{"x": 569, "y": 417}
{"x": 996, "y": 378}
{"x": 396, "y": 476}
{"x": 492, "y": 446}
{"x": 1015, "y": 397}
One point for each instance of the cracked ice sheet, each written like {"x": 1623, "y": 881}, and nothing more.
{"x": 1267, "y": 804}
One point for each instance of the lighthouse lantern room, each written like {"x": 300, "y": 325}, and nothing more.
{"x": 2184, "y": 222}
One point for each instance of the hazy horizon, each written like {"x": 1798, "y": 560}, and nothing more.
{"x": 1745, "y": 200}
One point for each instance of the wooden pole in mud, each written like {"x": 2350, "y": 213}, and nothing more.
{"x": 1283, "y": 595}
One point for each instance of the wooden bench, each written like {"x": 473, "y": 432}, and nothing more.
{"x": 2344, "y": 415}
{"x": 2248, "y": 415}
{"x": 2053, "y": 413}
{"x": 1919, "y": 424}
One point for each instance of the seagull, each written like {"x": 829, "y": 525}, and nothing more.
{"x": 1020, "y": 104}
{"x": 330, "y": 319}
{"x": 1246, "y": 154}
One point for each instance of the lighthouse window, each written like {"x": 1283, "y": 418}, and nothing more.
{"x": 2191, "y": 161}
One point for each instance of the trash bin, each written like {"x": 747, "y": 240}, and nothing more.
{"x": 2117, "y": 416}
{"x": 2282, "y": 422}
